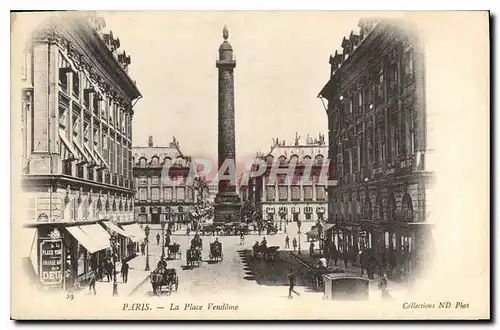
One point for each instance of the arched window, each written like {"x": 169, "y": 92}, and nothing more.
{"x": 367, "y": 208}
{"x": 154, "y": 161}
{"x": 306, "y": 160}
{"x": 167, "y": 161}
{"x": 269, "y": 159}
{"x": 142, "y": 162}
{"x": 143, "y": 209}
{"x": 407, "y": 208}
{"x": 282, "y": 160}
{"x": 318, "y": 160}
{"x": 294, "y": 159}
{"x": 380, "y": 206}
{"x": 391, "y": 208}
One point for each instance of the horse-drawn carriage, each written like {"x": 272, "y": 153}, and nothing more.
{"x": 265, "y": 252}
{"x": 193, "y": 254}
{"x": 216, "y": 251}
{"x": 164, "y": 277}
{"x": 174, "y": 251}
{"x": 212, "y": 228}
{"x": 236, "y": 228}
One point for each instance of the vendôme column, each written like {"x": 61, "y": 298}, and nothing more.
{"x": 227, "y": 201}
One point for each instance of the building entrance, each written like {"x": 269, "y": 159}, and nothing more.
{"x": 155, "y": 218}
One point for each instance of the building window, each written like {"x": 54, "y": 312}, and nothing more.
{"x": 407, "y": 208}
{"x": 167, "y": 193}
{"x": 155, "y": 180}
{"x": 143, "y": 194}
{"x": 270, "y": 194}
{"x": 394, "y": 77}
{"x": 154, "y": 162}
{"x": 408, "y": 63}
{"x": 380, "y": 87}
{"x": 142, "y": 162}
{"x": 308, "y": 193}
{"x": 320, "y": 193}
{"x": 155, "y": 194}
{"x": 360, "y": 101}
{"x": 295, "y": 193}
{"x": 180, "y": 193}
{"x": 283, "y": 193}
{"x": 76, "y": 85}
{"x": 308, "y": 216}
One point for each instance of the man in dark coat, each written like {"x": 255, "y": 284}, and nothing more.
{"x": 292, "y": 280}
{"x": 124, "y": 271}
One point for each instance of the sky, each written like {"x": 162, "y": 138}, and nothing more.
{"x": 281, "y": 65}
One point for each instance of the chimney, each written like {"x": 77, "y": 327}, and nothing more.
{"x": 150, "y": 141}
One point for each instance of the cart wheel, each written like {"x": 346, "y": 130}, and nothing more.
{"x": 169, "y": 288}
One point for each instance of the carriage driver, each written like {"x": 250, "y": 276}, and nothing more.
{"x": 321, "y": 263}
{"x": 162, "y": 263}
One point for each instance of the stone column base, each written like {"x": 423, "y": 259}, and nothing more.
{"x": 227, "y": 208}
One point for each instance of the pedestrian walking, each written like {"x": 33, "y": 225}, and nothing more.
{"x": 311, "y": 249}
{"x": 362, "y": 261}
{"x": 242, "y": 239}
{"x": 167, "y": 240}
{"x": 294, "y": 243}
{"x": 157, "y": 238}
{"x": 92, "y": 281}
{"x": 109, "y": 270}
{"x": 124, "y": 271}
{"x": 287, "y": 242}
{"x": 291, "y": 279}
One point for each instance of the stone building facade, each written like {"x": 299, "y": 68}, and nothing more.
{"x": 377, "y": 145}
{"x": 158, "y": 199}
{"x": 77, "y": 112}
{"x": 292, "y": 198}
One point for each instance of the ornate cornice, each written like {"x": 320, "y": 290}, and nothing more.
{"x": 89, "y": 53}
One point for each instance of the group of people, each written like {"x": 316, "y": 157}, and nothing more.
{"x": 287, "y": 243}
{"x": 106, "y": 267}
{"x": 263, "y": 244}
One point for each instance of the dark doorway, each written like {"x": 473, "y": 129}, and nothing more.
{"x": 155, "y": 218}
{"x": 295, "y": 217}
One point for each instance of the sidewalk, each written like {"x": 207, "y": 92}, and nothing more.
{"x": 394, "y": 288}
{"x": 136, "y": 276}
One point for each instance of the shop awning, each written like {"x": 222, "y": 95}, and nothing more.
{"x": 313, "y": 233}
{"x": 92, "y": 155}
{"x": 98, "y": 235}
{"x": 134, "y": 232}
{"x": 116, "y": 229}
{"x": 83, "y": 239}
{"x": 73, "y": 153}
{"x": 82, "y": 152}
{"x": 137, "y": 229}
{"x": 328, "y": 226}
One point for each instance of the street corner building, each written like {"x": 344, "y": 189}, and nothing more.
{"x": 298, "y": 196}
{"x": 164, "y": 193}
{"x": 377, "y": 146}
{"x": 77, "y": 111}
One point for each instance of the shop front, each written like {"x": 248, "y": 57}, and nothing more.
{"x": 66, "y": 253}
{"x": 126, "y": 245}
{"x": 270, "y": 214}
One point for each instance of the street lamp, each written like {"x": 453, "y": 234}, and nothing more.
{"x": 113, "y": 240}
{"x": 298, "y": 226}
{"x": 146, "y": 231}
{"x": 163, "y": 239}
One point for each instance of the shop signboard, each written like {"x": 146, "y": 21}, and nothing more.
{"x": 51, "y": 261}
